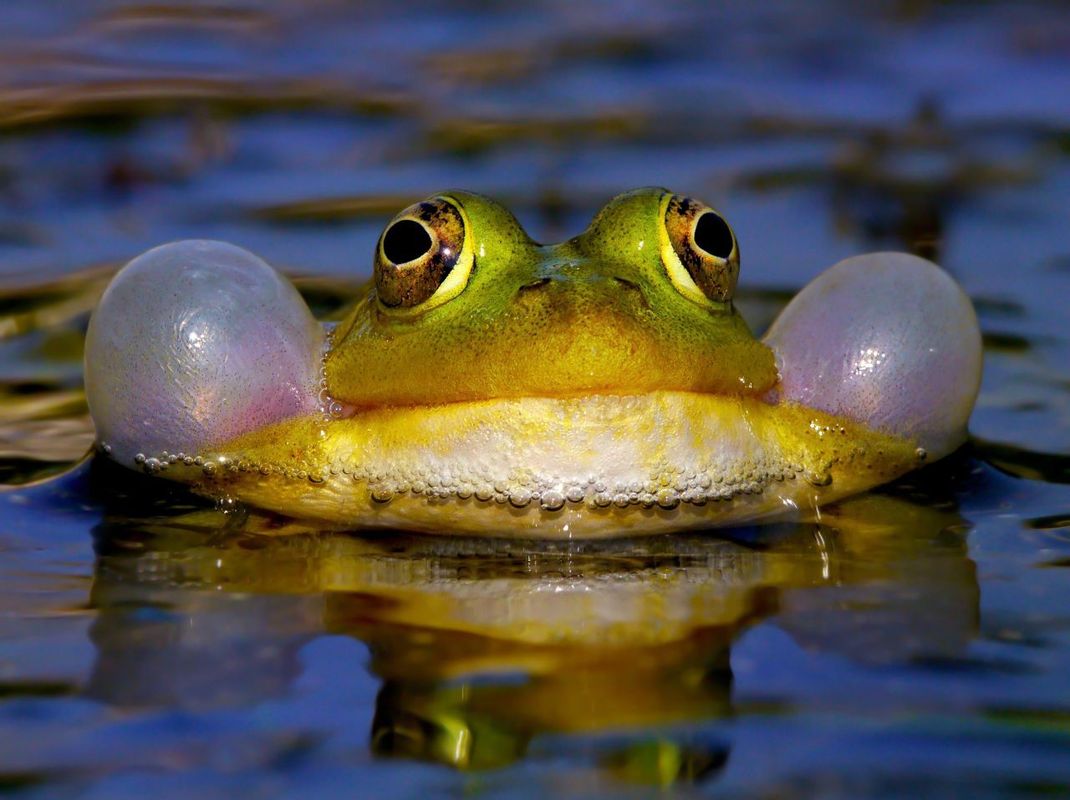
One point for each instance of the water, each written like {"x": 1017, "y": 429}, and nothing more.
{"x": 914, "y": 643}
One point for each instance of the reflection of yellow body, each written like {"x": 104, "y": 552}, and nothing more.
{"x": 599, "y": 387}
{"x": 483, "y": 646}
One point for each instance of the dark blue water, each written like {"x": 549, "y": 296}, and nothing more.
{"x": 914, "y": 643}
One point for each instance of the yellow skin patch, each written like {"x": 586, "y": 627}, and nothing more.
{"x": 586, "y": 389}
{"x": 558, "y": 468}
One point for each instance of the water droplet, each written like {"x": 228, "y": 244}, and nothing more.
{"x": 603, "y": 500}
{"x": 574, "y": 494}
{"x": 819, "y": 478}
{"x": 668, "y": 499}
{"x": 621, "y": 500}
{"x": 227, "y": 504}
{"x": 552, "y": 500}
{"x": 382, "y": 495}
{"x": 520, "y": 498}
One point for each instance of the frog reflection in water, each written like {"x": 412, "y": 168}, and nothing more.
{"x": 487, "y": 655}
{"x": 486, "y": 384}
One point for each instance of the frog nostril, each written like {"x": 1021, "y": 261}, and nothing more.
{"x": 632, "y": 286}
{"x": 535, "y": 284}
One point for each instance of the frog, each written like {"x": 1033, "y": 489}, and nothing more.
{"x": 484, "y": 384}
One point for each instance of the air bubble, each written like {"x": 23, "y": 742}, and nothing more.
{"x": 819, "y": 478}
{"x": 603, "y": 500}
{"x": 552, "y": 500}
{"x": 520, "y": 498}
{"x": 668, "y": 499}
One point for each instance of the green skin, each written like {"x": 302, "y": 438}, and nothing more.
{"x": 583, "y": 389}
{"x": 597, "y": 314}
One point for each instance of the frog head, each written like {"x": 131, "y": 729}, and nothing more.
{"x": 464, "y": 306}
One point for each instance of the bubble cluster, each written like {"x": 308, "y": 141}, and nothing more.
{"x": 665, "y": 487}
{"x": 328, "y": 406}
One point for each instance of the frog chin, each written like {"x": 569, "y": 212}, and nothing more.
{"x": 885, "y": 339}
{"x": 193, "y": 343}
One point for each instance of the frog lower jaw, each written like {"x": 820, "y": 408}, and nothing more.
{"x": 552, "y": 468}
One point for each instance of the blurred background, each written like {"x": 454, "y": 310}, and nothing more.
{"x": 914, "y": 645}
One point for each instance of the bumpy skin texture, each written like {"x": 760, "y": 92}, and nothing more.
{"x": 589, "y": 388}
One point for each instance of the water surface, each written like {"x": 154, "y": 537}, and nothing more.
{"x": 914, "y": 642}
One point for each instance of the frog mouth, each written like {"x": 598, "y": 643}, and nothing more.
{"x": 587, "y": 466}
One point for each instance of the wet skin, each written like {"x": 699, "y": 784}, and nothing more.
{"x": 486, "y": 384}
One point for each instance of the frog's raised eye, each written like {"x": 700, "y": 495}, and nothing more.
{"x": 699, "y": 251}
{"x": 423, "y": 257}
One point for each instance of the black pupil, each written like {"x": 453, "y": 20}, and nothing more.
{"x": 405, "y": 240}
{"x": 713, "y": 235}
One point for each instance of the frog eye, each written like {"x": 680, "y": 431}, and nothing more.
{"x": 699, "y": 251}
{"x": 423, "y": 257}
